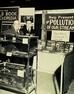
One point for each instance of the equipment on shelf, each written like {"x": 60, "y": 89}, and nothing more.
{"x": 59, "y": 46}
{"x": 16, "y": 62}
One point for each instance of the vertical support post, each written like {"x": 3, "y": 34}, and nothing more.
{"x": 61, "y": 81}
{"x": 36, "y": 65}
{"x": 44, "y": 32}
{"x": 27, "y": 68}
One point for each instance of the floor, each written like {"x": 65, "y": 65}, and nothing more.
{"x": 45, "y": 85}
{"x": 71, "y": 88}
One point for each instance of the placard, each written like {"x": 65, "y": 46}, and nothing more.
{"x": 25, "y": 41}
{"x": 14, "y": 39}
{"x": 60, "y": 35}
{"x": 59, "y": 21}
{"x": 20, "y": 73}
{"x": 9, "y": 54}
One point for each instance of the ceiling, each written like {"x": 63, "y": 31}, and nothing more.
{"x": 44, "y": 4}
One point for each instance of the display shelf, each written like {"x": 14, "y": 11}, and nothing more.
{"x": 14, "y": 74}
{"x": 19, "y": 54}
{"x": 19, "y": 91}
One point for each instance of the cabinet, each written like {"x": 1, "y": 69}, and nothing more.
{"x": 16, "y": 63}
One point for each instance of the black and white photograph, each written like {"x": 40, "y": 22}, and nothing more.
{"x": 36, "y": 47}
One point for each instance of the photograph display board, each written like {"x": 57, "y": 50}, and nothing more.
{"x": 27, "y": 14}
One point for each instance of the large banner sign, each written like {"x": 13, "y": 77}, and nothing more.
{"x": 59, "y": 22}
{"x": 8, "y": 14}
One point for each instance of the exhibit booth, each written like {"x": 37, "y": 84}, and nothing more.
{"x": 57, "y": 41}
{"x": 17, "y": 51}
{"x": 50, "y": 50}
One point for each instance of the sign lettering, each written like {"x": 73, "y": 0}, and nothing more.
{"x": 59, "y": 22}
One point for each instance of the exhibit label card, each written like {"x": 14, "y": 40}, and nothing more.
{"x": 60, "y": 35}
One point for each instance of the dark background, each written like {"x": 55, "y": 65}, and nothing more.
{"x": 39, "y": 4}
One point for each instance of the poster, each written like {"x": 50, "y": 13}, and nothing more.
{"x": 7, "y": 16}
{"x": 59, "y": 21}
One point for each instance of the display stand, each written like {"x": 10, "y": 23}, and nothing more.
{"x": 16, "y": 63}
